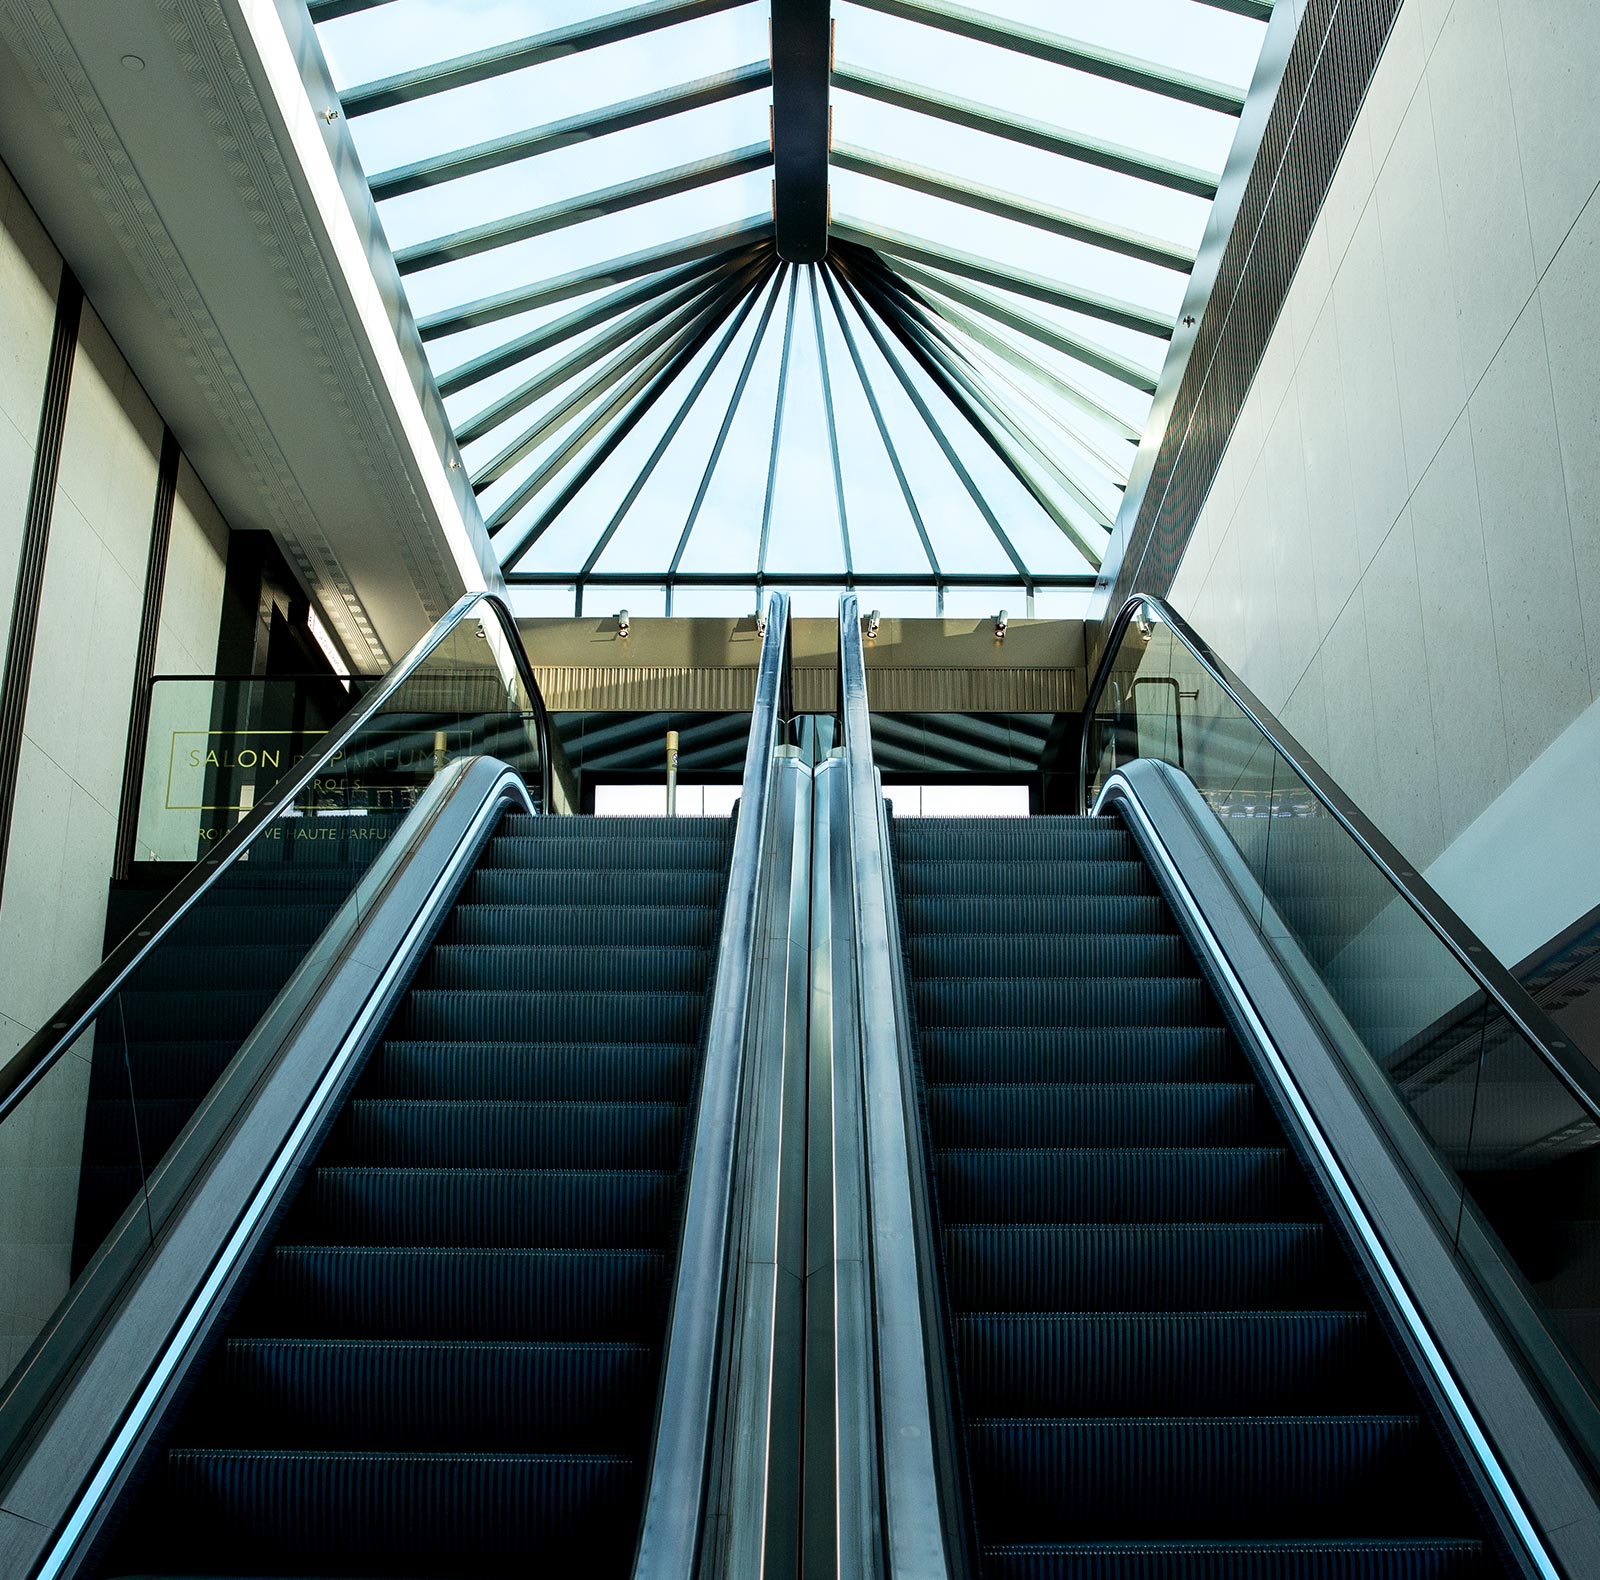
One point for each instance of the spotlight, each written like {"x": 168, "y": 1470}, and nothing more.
{"x": 872, "y": 625}
{"x": 1001, "y": 620}
{"x": 622, "y": 624}
{"x": 761, "y": 622}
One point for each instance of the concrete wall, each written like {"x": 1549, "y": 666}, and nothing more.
{"x": 1401, "y": 550}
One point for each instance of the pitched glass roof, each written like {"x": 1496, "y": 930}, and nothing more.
{"x": 875, "y": 293}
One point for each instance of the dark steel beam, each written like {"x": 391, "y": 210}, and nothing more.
{"x": 878, "y": 418}
{"x": 327, "y": 10}
{"x": 777, "y": 426}
{"x": 802, "y": 50}
{"x": 977, "y": 117}
{"x": 833, "y": 425}
{"x": 1044, "y": 332}
{"x": 1030, "y": 579}
{"x": 1010, "y": 206}
{"x": 594, "y": 276}
{"x": 547, "y": 380}
{"x": 1059, "y": 50}
{"x": 685, "y": 406}
{"x": 602, "y": 122}
{"x": 536, "y": 50}
{"x": 655, "y": 287}
{"x": 575, "y": 211}
{"x": 728, "y": 416}
{"x": 1256, "y": 10}
{"x": 1057, "y": 293}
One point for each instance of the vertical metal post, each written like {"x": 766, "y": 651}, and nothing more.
{"x": 672, "y": 773}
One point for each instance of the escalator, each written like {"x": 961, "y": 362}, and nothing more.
{"x": 1164, "y": 1361}
{"x": 465, "y": 1307}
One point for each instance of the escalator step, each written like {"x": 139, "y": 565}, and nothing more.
{"x": 599, "y": 1072}
{"x": 156, "y": 1070}
{"x": 151, "y": 1015}
{"x": 602, "y": 851}
{"x": 292, "y": 921}
{"x": 383, "y": 1292}
{"x": 582, "y": 925}
{"x": 1209, "y": 1114}
{"x": 1120, "y": 1185}
{"x": 1027, "y": 914}
{"x": 588, "y": 1207}
{"x": 177, "y": 968}
{"x": 391, "y": 1132}
{"x": 1200, "y": 1363}
{"x": 1080, "y": 1053}
{"x": 538, "y": 968}
{"x": 619, "y": 830}
{"x": 1049, "y": 1001}
{"x": 1013, "y": 839}
{"x": 1288, "y": 1560}
{"x": 1044, "y": 877}
{"x": 443, "y": 1014}
{"x": 1006, "y": 955}
{"x": 394, "y": 1394}
{"x": 583, "y": 886}
{"x": 1144, "y": 1267}
{"x": 360, "y": 1511}
{"x": 1165, "y": 1477}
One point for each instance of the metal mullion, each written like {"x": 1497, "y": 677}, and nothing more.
{"x": 657, "y": 288}
{"x": 327, "y": 10}
{"x": 908, "y": 384}
{"x": 478, "y": 239}
{"x": 1020, "y": 360}
{"x": 1039, "y": 329}
{"x": 777, "y": 430}
{"x": 878, "y": 418}
{"x": 517, "y": 146}
{"x": 1030, "y": 580}
{"x": 929, "y": 317}
{"x": 1255, "y": 10}
{"x": 728, "y": 416}
{"x": 1058, "y": 293}
{"x": 1010, "y": 206}
{"x": 613, "y": 271}
{"x": 712, "y": 364}
{"x": 641, "y": 390}
{"x": 966, "y": 394}
{"x": 971, "y": 115}
{"x": 479, "y": 66}
{"x": 833, "y": 427}
{"x": 584, "y": 356}
{"x": 1060, "y": 50}
{"x": 592, "y": 388}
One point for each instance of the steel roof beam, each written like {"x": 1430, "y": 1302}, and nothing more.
{"x": 833, "y": 426}
{"x": 1059, "y": 50}
{"x": 592, "y": 277}
{"x": 584, "y": 356}
{"x": 500, "y": 151}
{"x": 327, "y": 10}
{"x": 747, "y": 579}
{"x": 1057, "y": 293}
{"x": 536, "y": 50}
{"x": 1255, "y": 10}
{"x": 802, "y": 51}
{"x": 575, "y": 211}
{"x": 777, "y": 428}
{"x": 1009, "y": 206}
{"x": 1038, "y": 329}
{"x": 977, "y": 117}
{"x": 655, "y": 287}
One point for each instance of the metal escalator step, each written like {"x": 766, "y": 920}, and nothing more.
{"x": 1045, "y": 877}
{"x": 1144, "y": 1267}
{"x": 1013, "y": 839}
{"x": 150, "y": 1015}
{"x": 1155, "y": 1114}
{"x": 1080, "y": 1053}
{"x": 1175, "y": 1477}
{"x": 161, "y": 1069}
{"x": 533, "y": 1071}
{"x": 449, "y": 1396}
{"x": 603, "y": 852}
{"x": 468, "y": 1134}
{"x": 246, "y": 964}
{"x": 1120, "y": 1185}
{"x": 1441, "y": 1559}
{"x": 692, "y": 926}
{"x": 592, "y": 1208}
{"x": 1022, "y": 915}
{"x": 455, "y": 1015}
{"x": 584, "y": 886}
{"x": 537, "y": 968}
{"x": 403, "y": 1512}
{"x": 1172, "y": 1363}
{"x": 649, "y": 830}
{"x": 120, "y": 1133}
{"x": 384, "y": 1292}
{"x": 1010, "y": 954}
{"x": 1053, "y": 1001}
{"x": 291, "y": 921}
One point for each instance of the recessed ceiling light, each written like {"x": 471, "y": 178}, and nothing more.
{"x": 133, "y": 62}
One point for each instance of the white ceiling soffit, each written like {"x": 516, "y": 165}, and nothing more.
{"x": 201, "y": 203}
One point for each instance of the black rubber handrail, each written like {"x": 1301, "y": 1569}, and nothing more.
{"x": 29, "y": 1064}
{"x": 1497, "y": 983}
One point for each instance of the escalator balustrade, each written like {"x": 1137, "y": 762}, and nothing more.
{"x": 447, "y": 1360}
{"x": 1165, "y": 1364}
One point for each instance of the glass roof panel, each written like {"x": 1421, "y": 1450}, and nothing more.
{"x": 581, "y": 198}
